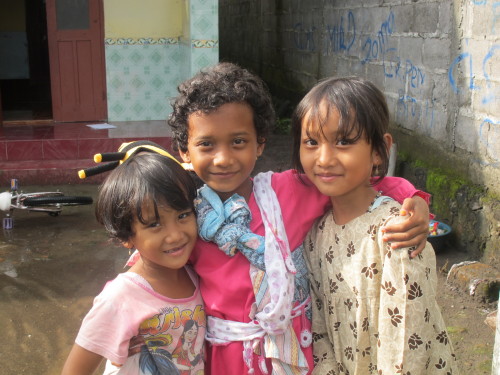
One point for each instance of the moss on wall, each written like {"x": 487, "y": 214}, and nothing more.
{"x": 472, "y": 210}
{"x": 443, "y": 184}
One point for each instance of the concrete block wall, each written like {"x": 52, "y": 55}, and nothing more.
{"x": 438, "y": 62}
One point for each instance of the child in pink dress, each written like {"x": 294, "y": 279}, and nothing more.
{"x": 257, "y": 302}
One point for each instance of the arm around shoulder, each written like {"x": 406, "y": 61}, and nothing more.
{"x": 399, "y": 189}
{"x": 415, "y": 206}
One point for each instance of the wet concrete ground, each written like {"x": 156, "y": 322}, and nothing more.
{"x": 52, "y": 267}
{"x": 50, "y": 270}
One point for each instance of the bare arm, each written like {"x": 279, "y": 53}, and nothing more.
{"x": 81, "y": 362}
{"x": 413, "y": 231}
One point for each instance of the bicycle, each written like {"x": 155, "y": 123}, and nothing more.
{"x": 48, "y": 202}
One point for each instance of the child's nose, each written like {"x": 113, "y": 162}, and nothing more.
{"x": 223, "y": 157}
{"x": 175, "y": 234}
{"x": 326, "y": 155}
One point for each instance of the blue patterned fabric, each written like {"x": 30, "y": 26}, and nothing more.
{"x": 228, "y": 225}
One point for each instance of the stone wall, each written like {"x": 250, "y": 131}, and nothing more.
{"x": 438, "y": 62}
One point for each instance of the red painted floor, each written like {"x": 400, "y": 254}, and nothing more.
{"x": 51, "y": 153}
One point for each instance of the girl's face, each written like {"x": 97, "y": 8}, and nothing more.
{"x": 337, "y": 167}
{"x": 223, "y": 148}
{"x": 166, "y": 242}
{"x": 190, "y": 334}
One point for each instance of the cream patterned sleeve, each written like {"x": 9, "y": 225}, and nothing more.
{"x": 323, "y": 352}
{"x": 412, "y": 337}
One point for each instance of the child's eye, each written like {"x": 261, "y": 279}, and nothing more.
{"x": 154, "y": 224}
{"x": 185, "y": 214}
{"x": 310, "y": 142}
{"x": 204, "y": 144}
{"x": 239, "y": 141}
{"x": 344, "y": 142}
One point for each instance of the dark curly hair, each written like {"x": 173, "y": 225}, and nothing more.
{"x": 359, "y": 102}
{"x": 213, "y": 87}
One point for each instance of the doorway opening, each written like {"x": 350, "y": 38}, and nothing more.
{"x": 24, "y": 62}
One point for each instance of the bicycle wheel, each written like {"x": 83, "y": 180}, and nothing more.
{"x": 57, "y": 200}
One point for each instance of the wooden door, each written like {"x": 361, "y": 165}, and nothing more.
{"x": 76, "y": 53}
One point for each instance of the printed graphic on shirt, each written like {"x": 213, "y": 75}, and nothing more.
{"x": 172, "y": 342}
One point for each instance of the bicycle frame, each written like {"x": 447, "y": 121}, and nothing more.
{"x": 15, "y": 200}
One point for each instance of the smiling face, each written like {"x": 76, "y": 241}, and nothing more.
{"x": 223, "y": 148}
{"x": 339, "y": 167}
{"x": 166, "y": 241}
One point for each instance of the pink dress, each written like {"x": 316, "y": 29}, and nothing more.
{"x": 225, "y": 282}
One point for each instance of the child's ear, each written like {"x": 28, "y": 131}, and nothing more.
{"x": 260, "y": 146}
{"x": 128, "y": 244}
{"x": 388, "y": 140}
{"x": 185, "y": 156}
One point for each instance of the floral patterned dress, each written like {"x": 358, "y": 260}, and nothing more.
{"x": 374, "y": 309}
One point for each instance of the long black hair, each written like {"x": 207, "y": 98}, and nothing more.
{"x": 363, "y": 113}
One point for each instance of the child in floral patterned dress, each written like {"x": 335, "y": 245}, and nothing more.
{"x": 374, "y": 309}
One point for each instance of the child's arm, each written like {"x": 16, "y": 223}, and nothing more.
{"x": 410, "y": 325}
{"x": 413, "y": 231}
{"x": 323, "y": 350}
{"x": 81, "y": 362}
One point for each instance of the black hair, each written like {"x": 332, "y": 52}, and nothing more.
{"x": 213, "y": 87}
{"x": 360, "y": 104}
{"x": 145, "y": 177}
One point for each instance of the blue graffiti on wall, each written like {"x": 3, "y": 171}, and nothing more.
{"x": 340, "y": 37}
{"x": 412, "y": 106}
{"x": 466, "y": 61}
{"x": 490, "y": 129}
{"x": 496, "y": 16}
{"x": 489, "y": 96}
{"x": 304, "y": 37}
{"x": 495, "y": 7}
{"x": 420, "y": 112}
{"x": 373, "y": 48}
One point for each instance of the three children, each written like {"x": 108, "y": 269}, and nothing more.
{"x": 257, "y": 302}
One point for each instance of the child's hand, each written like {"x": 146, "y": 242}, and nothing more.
{"x": 412, "y": 232}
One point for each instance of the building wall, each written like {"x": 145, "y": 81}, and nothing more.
{"x": 151, "y": 46}
{"x": 438, "y": 62}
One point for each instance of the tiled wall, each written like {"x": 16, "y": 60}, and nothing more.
{"x": 204, "y": 28}
{"x": 142, "y": 74}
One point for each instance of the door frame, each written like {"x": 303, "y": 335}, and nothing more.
{"x": 99, "y": 76}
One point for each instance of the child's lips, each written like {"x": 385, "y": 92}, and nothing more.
{"x": 327, "y": 177}
{"x": 175, "y": 251}
{"x": 224, "y": 175}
